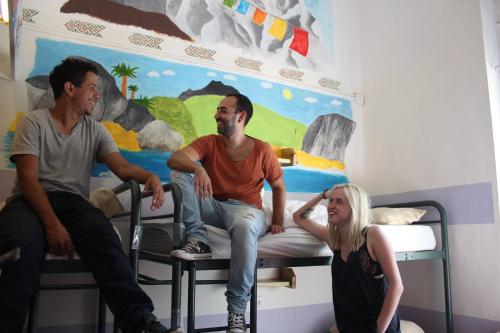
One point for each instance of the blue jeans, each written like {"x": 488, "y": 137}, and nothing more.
{"x": 95, "y": 241}
{"x": 245, "y": 224}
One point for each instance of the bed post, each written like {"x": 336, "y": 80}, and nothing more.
{"x": 176, "y": 308}
{"x": 446, "y": 267}
{"x": 191, "y": 296}
{"x": 253, "y": 303}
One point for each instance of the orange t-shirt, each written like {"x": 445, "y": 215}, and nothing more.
{"x": 239, "y": 180}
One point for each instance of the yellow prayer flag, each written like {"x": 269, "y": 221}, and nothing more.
{"x": 278, "y": 28}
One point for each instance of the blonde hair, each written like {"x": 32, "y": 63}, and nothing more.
{"x": 360, "y": 217}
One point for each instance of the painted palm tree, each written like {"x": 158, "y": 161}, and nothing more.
{"x": 133, "y": 89}
{"x": 124, "y": 72}
{"x": 145, "y": 100}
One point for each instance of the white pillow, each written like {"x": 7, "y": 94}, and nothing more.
{"x": 318, "y": 215}
{"x": 385, "y": 215}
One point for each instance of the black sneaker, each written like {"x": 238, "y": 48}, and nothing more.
{"x": 194, "y": 249}
{"x": 236, "y": 323}
{"x": 153, "y": 325}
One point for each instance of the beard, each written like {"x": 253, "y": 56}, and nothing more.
{"x": 227, "y": 128}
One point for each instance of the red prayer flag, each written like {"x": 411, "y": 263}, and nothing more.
{"x": 300, "y": 42}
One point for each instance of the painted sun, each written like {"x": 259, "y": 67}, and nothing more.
{"x": 287, "y": 94}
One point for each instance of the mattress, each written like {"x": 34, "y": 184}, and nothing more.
{"x": 296, "y": 242}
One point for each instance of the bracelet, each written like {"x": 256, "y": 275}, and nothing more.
{"x": 323, "y": 194}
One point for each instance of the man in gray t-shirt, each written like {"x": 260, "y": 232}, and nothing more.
{"x": 54, "y": 152}
{"x": 63, "y": 163}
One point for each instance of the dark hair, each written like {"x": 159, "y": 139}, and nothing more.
{"x": 243, "y": 104}
{"x": 72, "y": 70}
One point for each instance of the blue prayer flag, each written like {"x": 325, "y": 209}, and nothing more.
{"x": 243, "y": 7}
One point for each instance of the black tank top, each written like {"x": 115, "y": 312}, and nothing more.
{"x": 359, "y": 287}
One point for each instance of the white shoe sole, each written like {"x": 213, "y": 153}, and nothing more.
{"x": 235, "y": 330}
{"x": 188, "y": 256}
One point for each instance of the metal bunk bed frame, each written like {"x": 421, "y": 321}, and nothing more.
{"x": 181, "y": 266}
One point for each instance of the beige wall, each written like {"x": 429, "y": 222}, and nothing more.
{"x": 428, "y": 125}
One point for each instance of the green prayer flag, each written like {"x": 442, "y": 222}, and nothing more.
{"x": 229, "y": 3}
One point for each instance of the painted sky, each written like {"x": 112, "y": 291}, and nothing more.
{"x": 321, "y": 10}
{"x": 157, "y": 77}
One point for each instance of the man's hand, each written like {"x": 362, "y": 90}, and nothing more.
{"x": 275, "y": 229}
{"x": 202, "y": 183}
{"x": 58, "y": 240}
{"x": 153, "y": 184}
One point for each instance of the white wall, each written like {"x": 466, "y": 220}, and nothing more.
{"x": 428, "y": 125}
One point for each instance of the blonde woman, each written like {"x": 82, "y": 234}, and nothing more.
{"x": 365, "y": 277}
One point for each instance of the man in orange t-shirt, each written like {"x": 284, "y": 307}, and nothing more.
{"x": 224, "y": 191}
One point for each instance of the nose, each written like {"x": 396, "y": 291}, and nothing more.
{"x": 331, "y": 204}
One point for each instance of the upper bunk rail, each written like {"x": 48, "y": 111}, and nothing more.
{"x": 427, "y": 222}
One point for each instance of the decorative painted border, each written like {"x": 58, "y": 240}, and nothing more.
{"x": 330, "y": 84}
{"x": 292, "y": 74}
{"x": 28, "y": 13}
{"x": 146, "y": 40}
{"x": 200, "y": 52}
{"x": 86, "y": 28}
{"x": 251, "y": 64}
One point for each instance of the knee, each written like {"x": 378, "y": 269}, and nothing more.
{"x": 244, "y": 230}
{"x": 30, "y": 241}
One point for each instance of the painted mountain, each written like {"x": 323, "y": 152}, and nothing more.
{"x": 211, "y": 24}
{"x": 119, "y": 13}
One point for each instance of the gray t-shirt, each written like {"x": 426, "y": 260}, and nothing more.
{"x": 65, "y": 161}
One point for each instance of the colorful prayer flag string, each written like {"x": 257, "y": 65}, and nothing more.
{"x": 300, "y": 41}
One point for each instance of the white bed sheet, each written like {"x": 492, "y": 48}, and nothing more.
{"x": 296, "y": 242}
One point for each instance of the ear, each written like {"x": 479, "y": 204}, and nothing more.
{"x": 69, "y": 88}
{"x": 242, "y": 116}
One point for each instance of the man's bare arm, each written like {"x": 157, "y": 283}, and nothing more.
{"x": 279, "y": 194}
{"x": 125, "y": 171}
{"x": 58, "y": 239}
{"x": 184, "y": 160}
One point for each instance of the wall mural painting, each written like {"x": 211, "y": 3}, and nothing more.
{"x": 153, "y": 107}
{"x": 298, "y": 33}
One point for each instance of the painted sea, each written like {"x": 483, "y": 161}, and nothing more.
{"x": 296, "y": 178}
